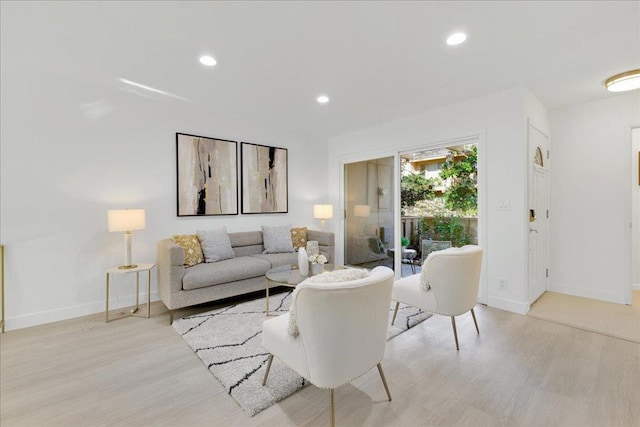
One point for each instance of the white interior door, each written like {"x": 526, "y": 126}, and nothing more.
{"x": 538, "y": 161}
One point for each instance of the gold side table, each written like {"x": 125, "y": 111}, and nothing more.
{"x": 137, "y": 270}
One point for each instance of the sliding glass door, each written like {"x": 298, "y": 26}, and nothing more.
{"x": 369, "y": 217}
{"x": 398, "y": 209}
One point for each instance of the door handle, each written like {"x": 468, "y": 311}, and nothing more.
{"x": 532, "y": 230}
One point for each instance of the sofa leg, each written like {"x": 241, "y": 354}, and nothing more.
{"x": 395, "y": 313}
{"x": 171, "y": 317}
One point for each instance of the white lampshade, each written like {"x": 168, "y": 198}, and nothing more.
{"x": 126, "y": 219}
{"x": 323, "y": 211}
{"x": 362, "y": 211}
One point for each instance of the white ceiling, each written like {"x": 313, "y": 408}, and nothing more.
{"x": 378, "y": 61}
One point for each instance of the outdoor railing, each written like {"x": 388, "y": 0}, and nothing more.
{"x": 410, "y": 226}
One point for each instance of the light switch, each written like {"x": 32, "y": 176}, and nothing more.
{"x": 504, "y": 205}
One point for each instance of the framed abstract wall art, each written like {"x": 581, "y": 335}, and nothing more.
{"x": 207, "y": 175}
{"x": 264, "y": 179}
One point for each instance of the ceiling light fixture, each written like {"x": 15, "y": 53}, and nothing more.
{"x": 456, "y": 38}
{"x": 322, "y": 99}
{"x": 207, "y": 60}
{"x": 623, "y": 82}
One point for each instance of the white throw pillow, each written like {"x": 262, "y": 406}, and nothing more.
{"x": 277, "y": 239}
{"x": 335, "y": 276}
{"x": 216, "y": 245}
{"x": 424, "y": 280}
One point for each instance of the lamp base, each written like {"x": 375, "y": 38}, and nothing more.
{"x": 126, "y": 267}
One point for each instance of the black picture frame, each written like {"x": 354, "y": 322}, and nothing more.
{"x": 206, "y": 176}
{"x": 264, "y": 179}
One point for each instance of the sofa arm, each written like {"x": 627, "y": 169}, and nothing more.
{"x": 326, "y": 242}
{"x": 170, "y": 270}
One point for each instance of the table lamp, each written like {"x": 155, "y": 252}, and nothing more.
{"x": 126, "y": 220}
{"x": 322, "y": 212}
{"x": 362, "y": 211}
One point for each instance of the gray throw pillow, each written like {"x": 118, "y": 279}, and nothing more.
{"x": 277, "y": 239}
{"x": 216, "y": 245}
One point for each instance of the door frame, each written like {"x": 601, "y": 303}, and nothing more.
{"x": 547, "y": 236}
{"x": 634, "y": 224}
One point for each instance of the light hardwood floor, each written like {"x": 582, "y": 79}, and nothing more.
{"x": 519, "y": 371}
{"x": 616, "y": 320}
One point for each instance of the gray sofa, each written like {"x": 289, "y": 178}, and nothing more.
{"x": 180, "y": 286}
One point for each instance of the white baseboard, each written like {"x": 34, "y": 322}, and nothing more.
{"x": 598, "y": 294}
{"x": 636, "y": 286}
{"x": 43, "y": 317}
{"x": 508, "y": 305}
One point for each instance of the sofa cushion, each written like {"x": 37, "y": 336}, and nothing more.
{"x": 191, "y": 246}
{"x": 245, "y": 243}
{"x": 277, "y": 239}
{"x": 248, "y": 250}
{"x": 216, "y": 245}
{"x": 246, "y": 238}
{"x": 276, "y": 260}
{"x": 299, "y": 237}
{"x": 225, "y": 271}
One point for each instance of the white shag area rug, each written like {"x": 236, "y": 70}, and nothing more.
{"x": 228, "y": 341}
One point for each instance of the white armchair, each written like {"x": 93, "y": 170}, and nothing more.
{"x": 342, "y": 331}
{"x": 452, "y": 276}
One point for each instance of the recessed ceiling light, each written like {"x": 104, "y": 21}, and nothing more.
{"x": 322, "y": 99}
{"x": 456, "y": 38}
{"x": 208, "y": 60}
{"x": 624, "y": 81}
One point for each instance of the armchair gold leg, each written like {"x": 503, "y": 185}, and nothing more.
{"x": 266, "y": 374}
{"x": 384, "y": 381}
{"x": 475, "y": 321}
{"x": 395, "y": 313}
{"x": 333, "y": 415}
{"x": 455, "y": 333}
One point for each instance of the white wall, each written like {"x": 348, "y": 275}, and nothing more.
{"x": 591, "y": 198}
{"x": 62, "y": 170}
{"x": 500, "y": 117}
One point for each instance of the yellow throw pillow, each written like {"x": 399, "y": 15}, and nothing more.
{"x": 299, "y": 237}
{"x": 192, "y": 249}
